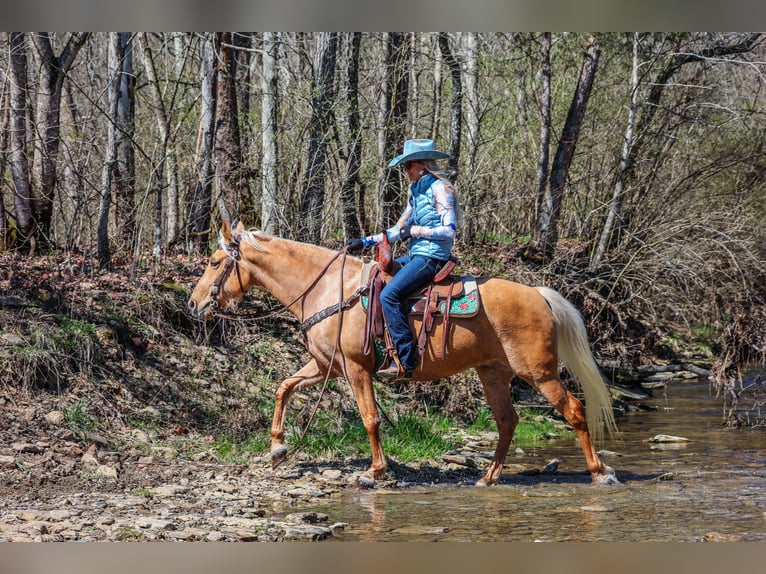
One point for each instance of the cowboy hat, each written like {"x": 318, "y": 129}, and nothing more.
{"x": 418, "y": 150}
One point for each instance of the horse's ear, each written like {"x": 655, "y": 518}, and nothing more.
{"x": 239, "y": 229}
{"x": 226, "y": 231}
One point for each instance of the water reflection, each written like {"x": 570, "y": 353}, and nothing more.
{"x": 710, "y": 487}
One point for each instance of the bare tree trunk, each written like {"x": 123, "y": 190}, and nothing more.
{"x": 25, "y": 222}
{"x": 354, "y": 160}
{"x": 436, "y": 99}
{"x": 230, "y": 187}
{"x": 546, "y": 235}
{"x": 5, "y": 118}
{"x": 269, "y": 118}
{"x": 113, "y": 76}
{"x": 53, "y": 70}
{"x": 472, "y": 117}
{"x": 164, "y": 126}
{"x": 615, "y": 206}
{"x": 125, "y": 167}
{"x": 543, "y": 157}
{"x": 323, "y": 89}
{"x": 394, "y": 109}
{"x": 198, "y": 221}
{"x": 456, "y": 116}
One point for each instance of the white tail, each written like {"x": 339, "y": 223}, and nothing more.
{"x": 574, "y": 352}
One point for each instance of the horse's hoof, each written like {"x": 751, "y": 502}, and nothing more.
{"x": 277, "y": 456}
{"x": 607, "y": 477}
{"x": 365, "y": 482}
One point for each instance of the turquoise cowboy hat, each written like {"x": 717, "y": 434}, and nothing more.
{"x": 417, "y": 150}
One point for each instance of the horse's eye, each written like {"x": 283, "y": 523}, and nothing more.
{"x": 215, "y": 263}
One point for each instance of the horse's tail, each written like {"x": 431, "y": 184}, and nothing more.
{"x": 575, "y": 353}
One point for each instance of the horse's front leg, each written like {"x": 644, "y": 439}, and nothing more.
{"x": 309, "y": 375}
{"x": 364, "y": 393}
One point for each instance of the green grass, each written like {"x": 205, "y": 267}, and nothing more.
{"x": 78, "y": 417}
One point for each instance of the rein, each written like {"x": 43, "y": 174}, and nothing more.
{"x": 232, "y": 262}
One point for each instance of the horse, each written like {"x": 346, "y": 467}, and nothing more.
{"x": 519, "y": 330}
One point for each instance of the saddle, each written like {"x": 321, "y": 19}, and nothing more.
{"x": 435, "y": 298}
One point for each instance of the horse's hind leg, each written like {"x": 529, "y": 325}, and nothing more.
{"x": 572, "y": 410}
{"x": 309, "y": 375}
{"x": 496, "y": 382}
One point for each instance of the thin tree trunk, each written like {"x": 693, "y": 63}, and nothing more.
{"x": 52, "y": 71}
{"x": 113, "y": 75}
{"x": 323, "y": 88}
{"x": 25, "y": 222}
{"x": 125, "y": 167}
{"x": 543, "y": 157}
{"x": 456, "y": 115}
{"x": 436, "y": 99}
{"x": 164, "y": 127}
{"x": 230, "y": 186}
{"x": 472, "y": 118}
{"x": 269, "y": 127}
{"x": 354, "y": 160}
{"x": 5, "y": 118}
{"x": 200, "y": 203}
{"x": 615, "y": 206}
{"x": 546, "y": 235}
{"x": 394, "y": 110}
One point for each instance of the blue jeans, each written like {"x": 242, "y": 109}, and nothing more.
{"x": 416, "y": 272}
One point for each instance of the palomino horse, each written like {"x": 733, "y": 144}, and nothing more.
{"x": 518, "y": 330}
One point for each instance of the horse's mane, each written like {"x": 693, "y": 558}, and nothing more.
{"x": 254, "y": 237}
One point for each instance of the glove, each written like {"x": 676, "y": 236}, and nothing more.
{"x": 405, "y": 232}
{"x": 354, "y": 245}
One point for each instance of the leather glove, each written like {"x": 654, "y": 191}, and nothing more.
{"x": 405, "y": 232}
{"x": 354, "y": 245}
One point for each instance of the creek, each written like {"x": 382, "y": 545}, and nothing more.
{"x": 710, "y": 487}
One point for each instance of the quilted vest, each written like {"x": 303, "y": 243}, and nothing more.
{"x": 424, "y": 213}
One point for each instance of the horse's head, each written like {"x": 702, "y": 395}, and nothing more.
{"x": 223, "y": 280}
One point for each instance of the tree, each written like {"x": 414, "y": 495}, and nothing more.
{"x": 114, "y": 69}
{"x": 351, "y": 180}
{"x": 199, "y": 205}
{"x": 269, "y": 127}
{"x": 5, "y": 118}
{"x": 22, "y": 189}
{"x": 546, "y": 232}
{"x": 615, "y": 206}
{"x": 393, "y": 113}
{"x": 543, "y": 157}
{"x": 125, "y": 167}
{"x": 456, "y": 118}
{"x": 230, "y": 185}
{"x": 52, "y": 71}
{"x": 322, "y": 90}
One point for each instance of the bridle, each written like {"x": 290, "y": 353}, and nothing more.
{"x": 233, "y": 257}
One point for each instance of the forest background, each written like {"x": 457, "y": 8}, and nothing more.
{"x": 624, "y": 169}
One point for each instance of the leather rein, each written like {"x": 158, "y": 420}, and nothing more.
{"x": 232, "y": 264}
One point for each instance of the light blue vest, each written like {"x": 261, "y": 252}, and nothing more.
{"x": 424, "y": 213}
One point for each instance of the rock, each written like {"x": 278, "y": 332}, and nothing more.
{"x": 306, "y": 532}
{"x": 332, "y": 474}
{"x": 56, "y": 418}
{"x": 90, "y": 459}
{"x": 306, "y": 492}
{"x": 7, "y": 461}
{"x": 551, "y": 467}
{"x": 106, "y": 471}
{"x": 667, "y": 438}
{"x": 459, "y": 459}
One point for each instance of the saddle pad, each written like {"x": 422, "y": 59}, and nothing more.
{"x": 466, "y": 305}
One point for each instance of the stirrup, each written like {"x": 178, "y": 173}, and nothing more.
{"x": 394, "y": 372}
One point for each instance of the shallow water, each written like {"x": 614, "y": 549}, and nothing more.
{"x": 709, "y": 488}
